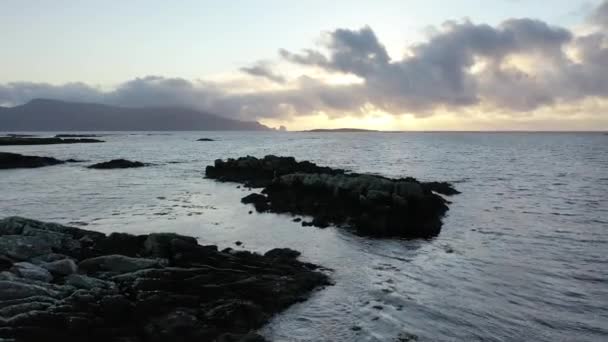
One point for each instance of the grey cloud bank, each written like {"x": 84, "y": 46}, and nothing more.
{"x": 436, "y": 74}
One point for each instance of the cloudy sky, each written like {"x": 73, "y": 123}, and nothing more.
{"x": 390, "y": 64}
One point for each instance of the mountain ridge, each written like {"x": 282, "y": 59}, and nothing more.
{"x": 56, "y": 115}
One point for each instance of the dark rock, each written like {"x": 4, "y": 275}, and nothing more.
{"x": 118, "y": 264}
{"x": 257, "y": 173}
{"x": 117, "y": 164}
{"x": 61, "y": 267}
{"x": 76, "y": 136}
{"x": 297, "y": 219}
{"x": 238, "y": 243}
{"x": 5, "y": 263}
{"x": 30, "y": 271}
{"x": 14, "y": 161}
{"x": 43, "y": 141}
{"x": 71, "y": 160}
{"x": 260, "y": 202}
{"x": 284, "y": 253}
{"x": 372, "y": 205}
{"x": 194, "y": 293}
{"x": 250, "y": 337}
{"x": 205, "y": 139}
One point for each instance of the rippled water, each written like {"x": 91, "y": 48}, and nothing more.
{"x": 522, "y": 255}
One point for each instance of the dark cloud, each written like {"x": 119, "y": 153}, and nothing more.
{"x": 517, "y": 66}
{"x": 20, "y": 92}
{"x": 261, "y": 69}
{"x": 600, "y": 15}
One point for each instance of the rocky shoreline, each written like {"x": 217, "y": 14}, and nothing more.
{"x": 371, "y": 205}
{"x": 60, "y": 283}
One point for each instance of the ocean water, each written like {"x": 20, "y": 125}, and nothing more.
{"x": 523, "y": 254}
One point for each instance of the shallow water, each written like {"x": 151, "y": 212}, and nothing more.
{"x": 522, "y": 255}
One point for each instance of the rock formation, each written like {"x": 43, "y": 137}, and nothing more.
{"x": 370, "y": 204}
{"x": 60, "y": 283}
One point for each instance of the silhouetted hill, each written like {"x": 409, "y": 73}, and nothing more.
{"x": 54, "y": 115}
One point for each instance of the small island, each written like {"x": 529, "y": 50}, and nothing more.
{"x": 371, "y": 205}
{"x": 15, "y": 140}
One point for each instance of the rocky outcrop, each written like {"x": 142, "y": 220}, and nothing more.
{"x": 60, "y": 283}
{"x": 258, "y": 173}
{"x": 43, "y": 141}
{"x": 76, "y": 136}
{"x": 370, "y": 204}
{"x": 16, "y": 161}
{"x": 117, "y": 164}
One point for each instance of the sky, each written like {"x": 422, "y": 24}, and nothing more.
{"x": 391, "y": 65}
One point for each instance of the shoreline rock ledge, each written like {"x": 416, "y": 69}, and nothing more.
{"x": 372, "y": 205}
{"x": 60, "y": 283}
{"x": 20, "y": 161}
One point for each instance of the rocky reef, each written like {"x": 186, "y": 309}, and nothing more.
{"x": 117, "y": 164}
{"x": 76, "y": 136}
{"x": 258, "y": 173}
{"x": 16, "y": 161}
{"x": 371, "y": 205}
{"x": 43, "y": 141}
{"x": 59, "y": 283}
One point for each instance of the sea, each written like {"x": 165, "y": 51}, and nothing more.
{"x": 522, "y": 255}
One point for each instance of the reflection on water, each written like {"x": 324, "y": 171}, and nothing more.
{"x": 522, "y": 255}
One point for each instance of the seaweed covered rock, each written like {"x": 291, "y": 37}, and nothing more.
{"x": 164, "y": 287}
{"x": 16, "y": 161}
{"x": 258, "y": 173}
{"x": 117, "y": 164}
{"x": 372, "y": 205}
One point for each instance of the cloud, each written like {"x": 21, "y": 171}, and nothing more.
{"x": 600, "y": 15}
{"x": 516, "y": 67}
{"x": 262, "y": 69}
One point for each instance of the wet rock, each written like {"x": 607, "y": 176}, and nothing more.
{"x": 16, "y": 290}
{"x": 15, "y": 161}
{"x": 193, "y": 293}
{"x": 23, "y": 247}
{"x": 254, "y": 172}
{"x": 163, "y": 245}
{"x": 76, "y": 136}
{"x": 250, "y": 337}
{"x": 84, "y": 282}
{"x": 285, "y": 253}
{"x": 260, "y": 202}
{"x": 30, "y": 271}
{"x": 43, "y": 141}
{"x": 61, "y": 267}
{"x": 118, "y": 264}
{"x": 117, "y": 164}
{"x": 5, "y": 263}
{"x": 370, "y": 204}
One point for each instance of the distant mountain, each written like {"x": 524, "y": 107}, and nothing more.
{"x": 54, "y": 115}
{"x": 341, "y": 130}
